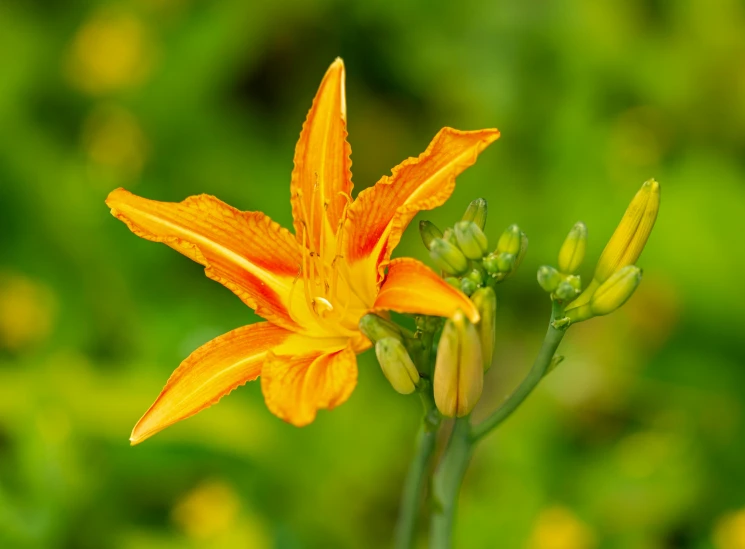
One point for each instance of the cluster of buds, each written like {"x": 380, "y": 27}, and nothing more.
{"x": 616, "y": 275}
{"x": 462, "y": 251}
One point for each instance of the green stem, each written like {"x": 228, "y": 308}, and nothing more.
{"x": 540, "y": 366}
{"x": 447, "y": 481}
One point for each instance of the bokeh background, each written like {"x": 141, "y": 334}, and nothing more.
{"x": 636, "y": 442}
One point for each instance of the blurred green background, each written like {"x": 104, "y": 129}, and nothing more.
{"x": 636, "y": 442}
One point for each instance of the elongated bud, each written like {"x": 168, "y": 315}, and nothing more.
{"x": 459, "y": 370}
{"x": 486, "y": 302}
{"x": 476, "y": 212}
{"x": 510, "y": 241}
{"x": 572, "y": 252}
{"x": 471, "y": 240}
{"x": 448, "y": 257}
{"x": 615, "y": 291}
{"x": 549, "y": 278}
{"x": 397, "y": 365}
{"x": 429, "y": 232}
{"x": 377, "y": 328}
{"x": 627, "y": 242}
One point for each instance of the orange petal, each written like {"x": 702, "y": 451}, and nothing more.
{"x": 380, "y": 214}
{"x": 412, "y": 287}
{"x": 210, "y": 373}
{"x": 295, "y": 387}
{"x": 322, "y": 178}
{"x": 245, "y": 251}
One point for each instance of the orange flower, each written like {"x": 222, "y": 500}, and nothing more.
{"x": 312, "y": 288}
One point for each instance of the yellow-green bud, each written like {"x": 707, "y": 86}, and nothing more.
{"x": 615, "y": 291}
{"x": 490, "y": 264}
{"x": 471, "y": 240}
{"x": 566, "y": 291}
{"x": 549, "y": 278}
{"x": 575, "y": 281}
{"x": 459, "y": 369}
{"x": 572, "y": 252}
{"x": 510, "y": 241}
{"x": 453, "y": 281}
{"x": 476, "y": 212}
{"x": 468, "y": 286}
{"x": 486, "y": 302}
{"x": 627, "y": 242}
{"x": 476, "y": 275}
{"x": 397, "y": 365}
{"x": 448, "y": 257}
{"x": 505, "y": 262}
{"x": 377, "y": 328}
{"x": 429, "y": 232}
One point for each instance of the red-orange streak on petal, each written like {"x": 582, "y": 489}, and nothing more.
{"x": 416, "y": 184}
{"x": 208, "y": 374}
{"x": 245, "y": 251}
{"x": 412, "y": 287}
{"x": 322, "y": 159}
{"x": 296, "y": 387}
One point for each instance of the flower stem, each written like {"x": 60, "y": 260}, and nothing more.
{"x": 447, "y": 481}
{"x": 540, "y": 366}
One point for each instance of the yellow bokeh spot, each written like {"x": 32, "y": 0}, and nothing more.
{"x": 26, "y": 311}
{"x": 113, "y": 139}
{"x": 207, "y": 511}
{"x": 110, "y": 52}
{"x": 559, "y": 528}
{"x": 729, "y": 532}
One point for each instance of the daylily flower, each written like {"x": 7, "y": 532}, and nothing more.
{"x": 311, "y": 287}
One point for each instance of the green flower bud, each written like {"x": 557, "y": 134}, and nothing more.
{"x": 572, "y": 252}
{"x": 615, "y": 291}
{"x": 549, "y": 278}
{"x": 575, "y": 281}
{"x": 459, "y": 369}
{"x": 471, "y": 240}
{"x": 397, "y": 365}
{"x": 506, "y": 262}
{"x": 377, "y": 328}
{"x": 490, "y": 264}
{"x": 449, "y": 235}
{"x": 468, "y": 286}
{"x": 477, "y": 276}
{"x": 476, "y": 212}
{"x": 453, "y": 281}
{"x": 486, "y": 302}
{"x": 429, "y": 232}
{"x": 510, "y": 241}
{"x": 448, "y": 257}
{"x": 566, "y": 291}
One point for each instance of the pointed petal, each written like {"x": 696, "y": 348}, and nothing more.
{"x": 208, "y": 374}
{"x": 322, "y": 178}
{"x": 295, "y": 387}
{"x": 380, "y": 214}
{"x": 245, "y": 251}
{"x": 412, "y": 287}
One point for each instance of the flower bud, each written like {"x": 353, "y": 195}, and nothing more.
{"x": 468, "y": 286}
{"x": 471, "y": 240}
{"x": 549, "y": 278}
{"x": 510, "y": 241}
{"x": 565, "y": 291}
{"x": 486, "y": 302}
{"x": 397, "y": 365}
{"x": 448, "y": 257}
{"x": 377, "y": 328}
{"x": 627, "y": 242}
{"x": 572, "y": 252}
{"x": 490, "y": 263}
{"x": 459, "y": 369}
{"x": 505, "y": 262}
{"x": 476, "y": 212}
{"x": 477, "y": 276}
{"x": 429, "y": 232}
{"x": 615, "y": 291}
